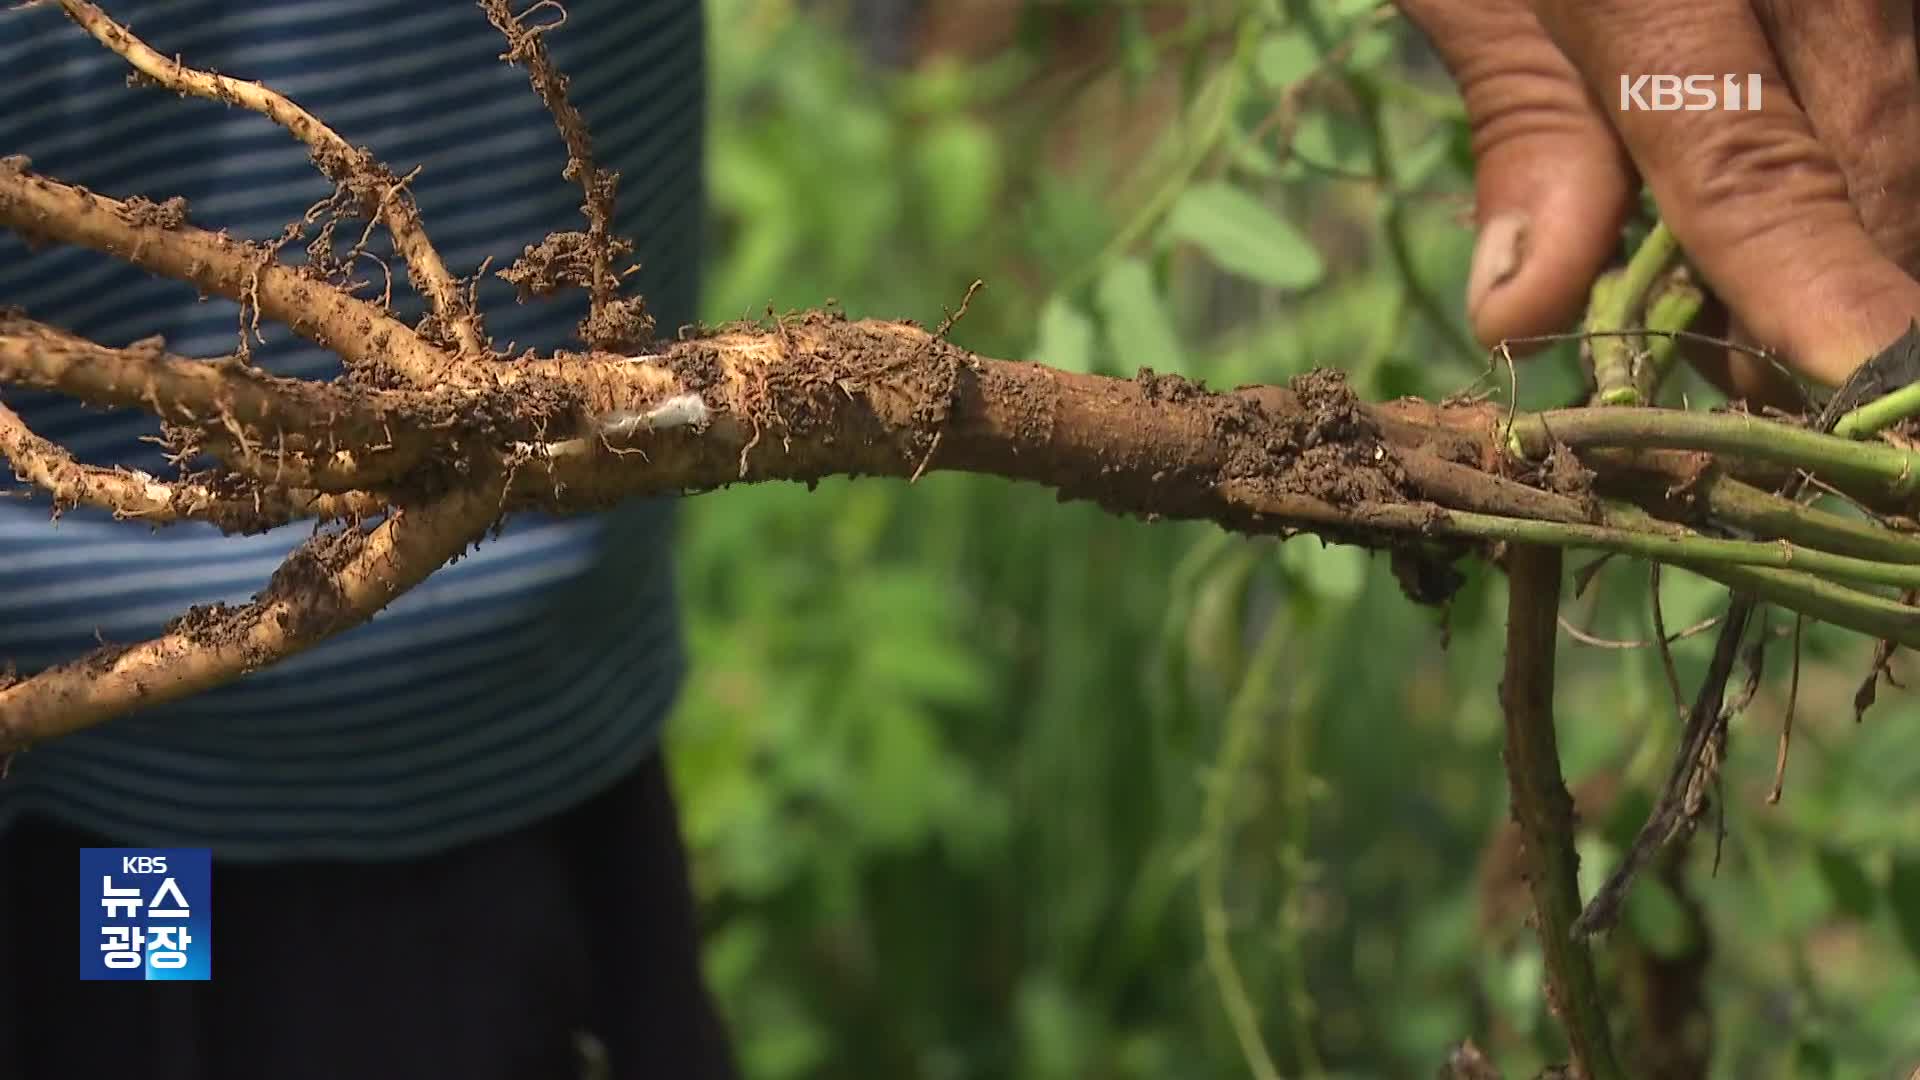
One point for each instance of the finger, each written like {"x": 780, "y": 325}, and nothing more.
{"x": 1759, "y": 205}
{"x": 1552, "y": 183}
{"x": 1854, "y": 70}
{"x": 1738, "y": 373}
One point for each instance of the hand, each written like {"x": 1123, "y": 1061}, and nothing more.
{"x": 1803, "y": 216}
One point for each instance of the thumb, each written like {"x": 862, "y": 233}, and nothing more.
{"x": 1552, "y": 183}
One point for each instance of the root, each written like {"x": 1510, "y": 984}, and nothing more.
{"x": 613, "y": 323}
{"x": 380, "y": 349}
{"x": 355, "y": 170}
{"x": 137, "y": 496}
{"x": 335, "y": 581}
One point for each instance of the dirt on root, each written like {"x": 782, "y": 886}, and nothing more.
{"x": 309, "y": 582}
{"x": 621, "y": 325}
{"x": 834, "y": 359}
{"x": 34, "y": 240}
{"x": 356, "y": 170}
{"x": 699, "y": 371}
{"x": 1174, "y": 388}
{"x": 1331, "y": 450}
{"x": 306, "y": 583}
{"x": 563, "y": 260}
{"x": 1325, "y": 445}
{"x": 140, "y": 210}
{"x": 445, "y": 432}
{"x": 1564, "y": 474}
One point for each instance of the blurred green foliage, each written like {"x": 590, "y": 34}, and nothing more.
{"x": 983, "y": 785}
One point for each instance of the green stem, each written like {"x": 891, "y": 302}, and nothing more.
{"x": 1445, "y": 108}
{"x": 1214, "y": 109}
{"x": 1544, "y": 810}
{"x": 1611, "y": 357}
{"x": 1400, "y": 249}
{"x": 1297, "y": 798}
{"x": 1393, "y": 324}
{"x": 1755, "y": 510}
{"x": 1871, "y": 466}
{"x": 1752, "y": 841}
{"x": 1765, "y": 563}
{"x": 1394, "y": 220}
{"x": 1658, "y": 253}
{"x": 1630, "y": 530}
{"x": 1242, "y": 733}
{"x": 1879, "y": 414}
{"x": 1884, "y": 619}
{"x": 1672, "y": 309}
{"x": 1617, "y": 302}
{"x": 1624, "y": 533}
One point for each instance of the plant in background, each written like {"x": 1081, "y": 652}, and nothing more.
{"x": 976, "y": 809}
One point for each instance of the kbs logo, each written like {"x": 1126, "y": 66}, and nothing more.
{"x": 146, "y": 914}
{"x": 1690, "y": 93}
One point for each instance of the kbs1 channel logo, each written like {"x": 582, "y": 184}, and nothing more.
{"x": 146, "y": 914}
{"x": 1690, "y": 93}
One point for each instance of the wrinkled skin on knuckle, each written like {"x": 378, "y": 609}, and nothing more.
{"x": 1494, "y": 50}
{"x": 1516, "y": 106}
{"x": 1869, "y": 108}
{"x": 1893, "y": 217}
{"x": 1661, "y": 37}
{"x": 1876, "y": 134}
{"x": 1741, "y": 184}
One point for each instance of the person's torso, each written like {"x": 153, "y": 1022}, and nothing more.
{"x": 511, "y": 682}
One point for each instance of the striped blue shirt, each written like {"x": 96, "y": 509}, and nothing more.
{"x": 509, "y": 686}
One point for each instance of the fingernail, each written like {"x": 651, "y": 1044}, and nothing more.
{"x": 1497, "y": 256}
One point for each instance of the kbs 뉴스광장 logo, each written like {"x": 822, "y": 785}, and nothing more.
{"x": 146, "y": 914}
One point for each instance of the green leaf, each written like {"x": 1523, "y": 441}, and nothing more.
{"x": 1063, "y": 224}
{"x": 1345, "y": 11}
{"x": 1138, "y": 54}
{"x": 1285, "y": 58}
{"x": 1372, "y": 49}
{"x": 1903, "y": 890}
{"x": 1066, "y": 337}
{"x": 894, "y": 796}
{"x": 1255, "y": 159}
{"x": 1853, "y": 891}
{"x": 1056, "y": 1034}
{"x": 1244, "y": 236}
{"x": 1419, "y": 165}
{"x": 1596, "y": 856}
{"x": 1813, "y": 1060}
{"x": 1216, "y": 648}
{"x": 1520, "y": 989}
{"x": 1630, "y": 808}
{"x": 1138, "y": 326}
{"x": 1657, "y": 918}
{"x": 959, "y": 165}
{"x": 1335, "y": 572}
{"x": 1334, "y": 141}
{"x": 938, "y": 671}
